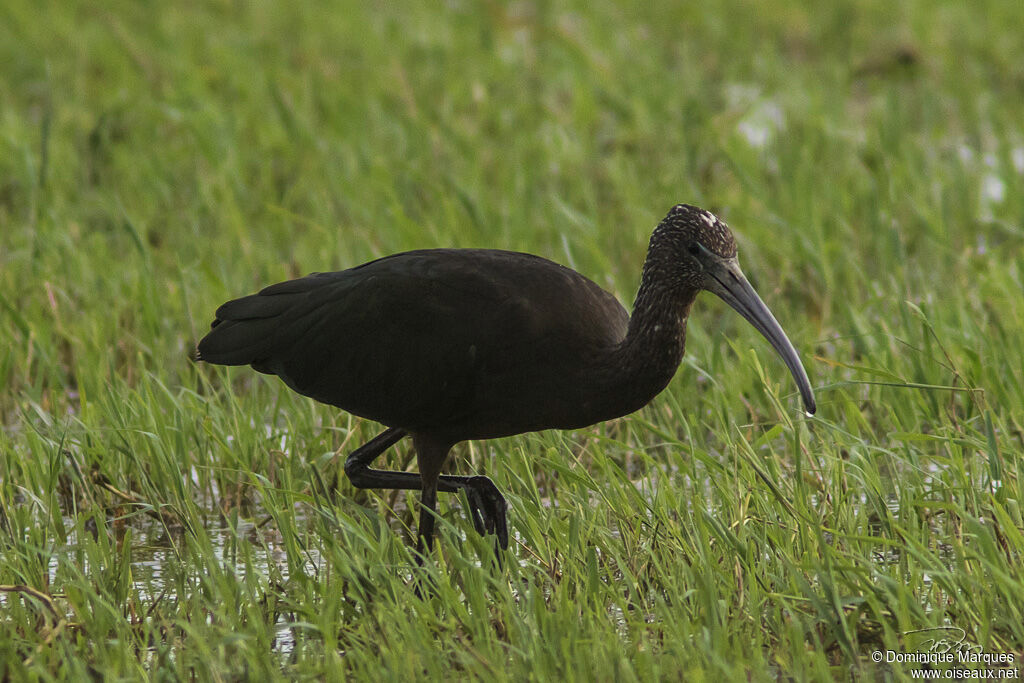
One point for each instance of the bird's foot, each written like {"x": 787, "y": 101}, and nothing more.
{"x": 487, "y": 509}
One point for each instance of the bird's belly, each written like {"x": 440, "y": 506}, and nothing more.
{"x": 517, "y": 406}
{"x": 491, "y": 400}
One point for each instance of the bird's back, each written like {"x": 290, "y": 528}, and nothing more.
{"x": 469, "y": 343}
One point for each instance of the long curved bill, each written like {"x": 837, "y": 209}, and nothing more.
{"x": 727, "y": 281}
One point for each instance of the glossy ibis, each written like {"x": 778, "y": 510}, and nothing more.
{"x": 445, "y": 345}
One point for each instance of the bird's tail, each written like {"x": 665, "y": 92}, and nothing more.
{"x": 246, "y": 331}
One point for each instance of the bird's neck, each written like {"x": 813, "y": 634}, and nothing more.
{"x": 647, "y": 359}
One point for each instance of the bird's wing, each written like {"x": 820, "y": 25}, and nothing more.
{"x": 407, "y": 340}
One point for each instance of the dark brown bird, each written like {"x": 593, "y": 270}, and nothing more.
{"x": 446, "y": 345}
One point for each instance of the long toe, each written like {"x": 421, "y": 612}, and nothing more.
{"x": 500, "y": 520}
{"x": 493, "y": 508}
{"x": 477, "y": 510}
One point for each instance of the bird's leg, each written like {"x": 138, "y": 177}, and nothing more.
{"x": 430, "y": 456}
{"x": 357, "y": 464}
{"x": 428, "y": 508}
{"x": 486, "y": 504}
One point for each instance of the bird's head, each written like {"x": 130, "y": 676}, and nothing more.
{"x": 697, "y": 251}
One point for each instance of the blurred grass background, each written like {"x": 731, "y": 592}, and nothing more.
{"x": 167, "y": 520}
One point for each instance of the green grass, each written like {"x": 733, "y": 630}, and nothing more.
{"x": 180, "y": 521}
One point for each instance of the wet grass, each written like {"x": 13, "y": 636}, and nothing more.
{"x": 164, "y": 519}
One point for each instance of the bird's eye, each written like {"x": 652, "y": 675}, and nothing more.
{"x": 694, "y": 249}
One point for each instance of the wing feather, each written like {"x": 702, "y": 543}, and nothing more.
{"x": 418, "y": 338}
